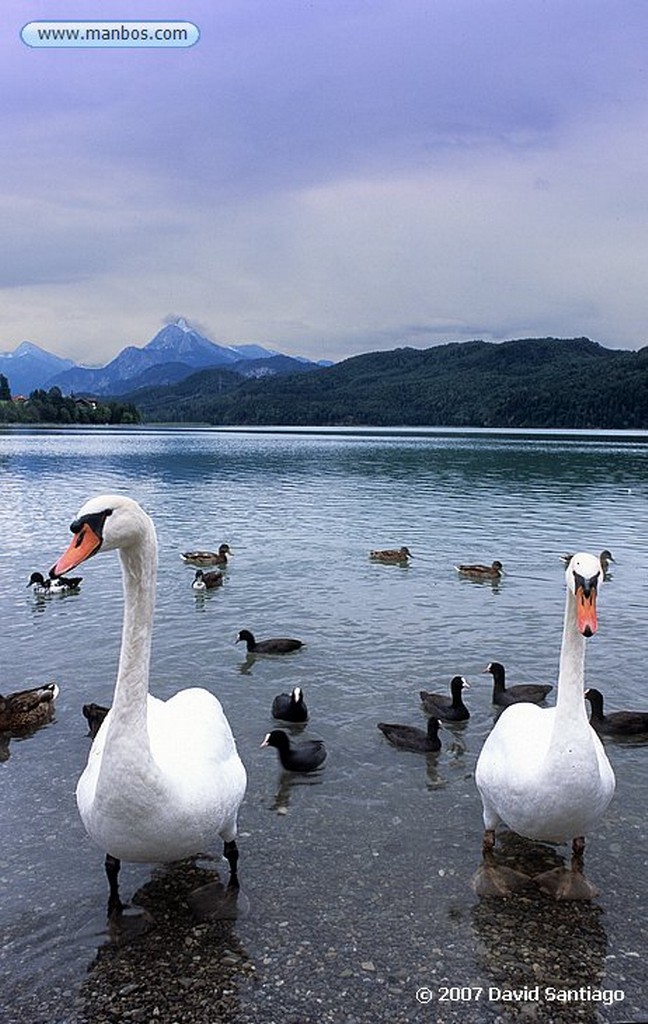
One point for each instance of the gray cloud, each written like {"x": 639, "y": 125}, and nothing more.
{"x": 318, "y": 176}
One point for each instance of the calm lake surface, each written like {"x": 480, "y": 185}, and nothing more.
{"x": 355, "y": 884}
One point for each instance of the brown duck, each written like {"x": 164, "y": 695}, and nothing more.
{"x": 391, "y": 556}
{"x": 481, "y": 572}
{"x": 207, "y": 580}
{"x": 203, "y": 559}
{"x": 27, "y": 709}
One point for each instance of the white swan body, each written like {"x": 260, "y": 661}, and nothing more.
{"x": 171, "y": 803}
{"x": 163, "y": 778}
{"x": 542, "y": 790}
{"x": 543, "y": 771}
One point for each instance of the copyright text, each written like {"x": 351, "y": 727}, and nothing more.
{"x": 526, "y": 994}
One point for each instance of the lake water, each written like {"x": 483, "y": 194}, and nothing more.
{"x": 356, "y": 884}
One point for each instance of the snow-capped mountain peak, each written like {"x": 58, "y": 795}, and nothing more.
{"x": 176, "y": 345}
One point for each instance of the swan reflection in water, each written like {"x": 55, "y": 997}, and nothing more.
{"x": 185, "y": 953}
{"x": 535, "y": 941}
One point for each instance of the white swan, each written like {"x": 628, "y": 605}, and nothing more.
{"x": 163, "y": 778}
{"x": 543, "y": 771}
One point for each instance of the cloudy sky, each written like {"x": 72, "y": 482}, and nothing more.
{"x": 328, "y": 176}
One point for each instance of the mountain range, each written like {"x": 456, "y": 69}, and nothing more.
{"x": 183, "y": 377}
{"x": 532, "y": 382}
{"x": 174, "y": 353}
{"x": 30, "y": 366}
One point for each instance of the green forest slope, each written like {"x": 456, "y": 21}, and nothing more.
{"x": 538, "y": 382}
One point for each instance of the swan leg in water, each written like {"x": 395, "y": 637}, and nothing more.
{"x": 231, "y": 854}
{"x": 113, "y": 865}
{"x": 568, "y": 883}
{"x": 493, "y": 879}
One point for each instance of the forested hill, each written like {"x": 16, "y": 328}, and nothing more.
{"x": 545, "y": 382}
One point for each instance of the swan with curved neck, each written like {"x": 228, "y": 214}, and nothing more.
{"x": 163, "y": 778}
{"x": 543, "y": 772}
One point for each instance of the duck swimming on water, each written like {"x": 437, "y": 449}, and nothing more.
{"x": 290, "y": 706}
{"x": 64, "y": 585}
{"x": 275, "y": 645}
{"x": 449, "y": 709}
{"x": 391, "y": 556}
{"x": 408, "y": 737}
{"x": 503, "y": 695}
{"x": 204, "y": 559}
{"x": 27, "y": 709}
{"x": 207, "y": 580}
{"x": 482, "y": 572}
{"x": 615, "y": 723}
{"x": 306, "y": 756}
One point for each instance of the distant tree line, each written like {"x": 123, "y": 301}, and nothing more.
{"x": 53, "y": 407}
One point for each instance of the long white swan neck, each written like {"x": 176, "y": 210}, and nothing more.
{"x": 139, "y": 562}
{"x": 570, "y": 701}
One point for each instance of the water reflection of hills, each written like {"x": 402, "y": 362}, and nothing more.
{"x": 446, "y": 457}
